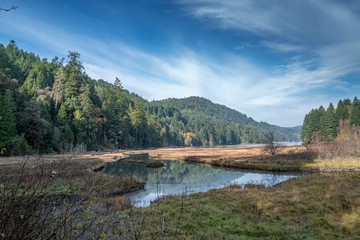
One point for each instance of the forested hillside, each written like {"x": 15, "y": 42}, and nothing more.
{"x": 54, "y": 106}
{"x": 339, "y": 123}
{"x": 215, "y": 124}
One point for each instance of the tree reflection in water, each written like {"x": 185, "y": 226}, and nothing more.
{"x": 177, "y": 178}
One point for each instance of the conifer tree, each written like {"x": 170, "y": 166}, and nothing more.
{"x": 342, "y": 111}
{"x": 7, "y": 119}
{"x": 72, "y": 82}
{"x": 34, "y": 126}
{"x": 38, "y": 78}
{"x": 329, "y": 124}
{"x": 355, "y": 113}
{"x": 139, "y": 124}
{"x": 57, "y": 89}
{"x": 117, "y": 121}
{"x": 84, "y": 119}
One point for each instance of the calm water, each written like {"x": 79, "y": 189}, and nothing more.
{"x": 178, "y": 178}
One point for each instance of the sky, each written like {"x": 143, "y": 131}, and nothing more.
{"x": 273, "y": 60}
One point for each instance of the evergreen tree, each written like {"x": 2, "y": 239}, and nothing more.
{"x": 117, "y": 120}
{"x": 355, "y": 113}
{"x": 7, "y": 120}
{"x": 57, "y": 89}
{"x": 139, "y": 125}
{"x": 153, "y": 131}
{"x": 33, "y": 125}
{"x": 118, "y": 83}
{"x": 72, "y": 84}
{"x": 84, "y": 120}
{"x": 329, "y": 124}
{"x": 62, "y": 116}
{"x": 38, "y": 78}
{"x": 6, "y": 65}
{"x": 311, "y": 129}
{"x": 13, "y": 69}
{"x": 347, "y": 102}
{"x": 342, "y": 111}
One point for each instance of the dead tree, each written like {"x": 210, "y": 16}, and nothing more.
{"x": 271, "y": 146}
{"x": 8, "y": 9}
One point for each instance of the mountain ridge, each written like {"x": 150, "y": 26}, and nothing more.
{"x": 195, "y": 105}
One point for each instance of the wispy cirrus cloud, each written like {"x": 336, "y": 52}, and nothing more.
{"x": 323, "y": 37}
{"x": 283, "y": 47}
{"x": 233, "y": 79}
{"x": 302, "y": 21}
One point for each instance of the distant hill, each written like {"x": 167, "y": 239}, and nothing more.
{"x": 204, "y": 117}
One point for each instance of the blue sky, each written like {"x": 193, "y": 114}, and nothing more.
{"x": 273, "y": 60}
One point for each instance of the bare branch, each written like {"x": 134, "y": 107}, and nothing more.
{"x": 271, "y": 146}
{"x": 8, "y": 9}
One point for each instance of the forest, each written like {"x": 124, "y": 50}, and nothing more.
{"x": 332, "y": 124}
{"x": 52, "y": 106}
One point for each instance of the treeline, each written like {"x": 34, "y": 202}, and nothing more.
{"x": 50, "y": 106}
{"x": 338, "y": 123}
{"x": 53, "y": 106}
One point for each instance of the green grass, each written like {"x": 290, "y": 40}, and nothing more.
{"x": 321, "y": 206}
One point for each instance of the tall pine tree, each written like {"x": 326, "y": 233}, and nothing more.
{"x": 7, "y": 119}
{"x": 139, "y": 125}
{"x": 329, "y": 124}
{"x": 355, "y": 113}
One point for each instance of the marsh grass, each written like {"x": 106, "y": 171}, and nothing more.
{"x": 63, "y": 199}
{"x": 78, "y": 203}
{"x": 282, "y": 162}
{"x": 320, "y": 206}
{"x": 147, "y": 163}
{"x": 335, "y": 164}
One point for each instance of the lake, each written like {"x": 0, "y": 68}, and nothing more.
{"x": 178, "y": 177}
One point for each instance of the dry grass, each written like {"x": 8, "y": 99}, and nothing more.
{"x": 294, "y": 158}
{"x": 225, "y": 153}
{"x": 236, "y": 156}
{"x": 336, "y": 164}
{"x": 245, "y": 157}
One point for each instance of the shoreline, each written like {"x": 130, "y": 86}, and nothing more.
{"x": 289, "y": 158}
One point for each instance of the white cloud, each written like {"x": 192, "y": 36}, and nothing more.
{"x": 283, "y": 47}
{"x": 305, "y": 21}
{"x": 234, "y": 80}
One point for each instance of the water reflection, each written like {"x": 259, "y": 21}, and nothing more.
{"x": 177, "y": 177}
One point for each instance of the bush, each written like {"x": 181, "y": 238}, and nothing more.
{"x": 14, "y": 147}
{"x": 30, "y": 208}
{"x": 271, "y": 146}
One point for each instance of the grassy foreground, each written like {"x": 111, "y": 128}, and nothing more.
{"x": 320, "y": 206}
{"x": 58, "y": 197}
{"x": 73, "y": 201}
{"x": 65, "y": 174}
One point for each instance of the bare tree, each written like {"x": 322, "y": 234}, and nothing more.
{"x": 8, "y": 9}
{"x": 271, "y": 146}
